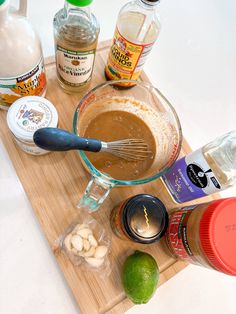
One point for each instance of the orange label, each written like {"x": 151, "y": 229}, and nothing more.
{"x": 126, "y": 59}
{"x": 32, "y": 83}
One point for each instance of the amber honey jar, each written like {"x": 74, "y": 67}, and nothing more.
{"x": 142, "y": 218}
{"x": 205, "y": 235}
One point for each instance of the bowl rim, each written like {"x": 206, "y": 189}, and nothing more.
{"x": 94, "y": 171}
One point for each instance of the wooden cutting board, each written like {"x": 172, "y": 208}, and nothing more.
{"x": 55, "y": 182}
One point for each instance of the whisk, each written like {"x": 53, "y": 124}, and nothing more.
{"x": 54, "y": 139}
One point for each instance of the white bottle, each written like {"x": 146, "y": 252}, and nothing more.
{"x": 210, "y": 169}
{"x": 21, "y": 60}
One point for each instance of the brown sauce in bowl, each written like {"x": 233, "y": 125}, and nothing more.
{"x": 116, "y": 125}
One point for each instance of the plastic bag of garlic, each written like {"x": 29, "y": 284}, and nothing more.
{"x": 87, "y": 244}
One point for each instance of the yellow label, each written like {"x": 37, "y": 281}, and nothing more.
{"x": 32, "y": 83}
{"x": 126, "y": 59}
{"x": 146, "y": 216}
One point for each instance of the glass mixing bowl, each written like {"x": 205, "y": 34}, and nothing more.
{"x": 153, "y": 108}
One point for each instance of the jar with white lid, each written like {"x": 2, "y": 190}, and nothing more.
{"x": 27, "y": 115}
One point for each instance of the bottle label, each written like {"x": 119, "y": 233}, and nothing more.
{"x": 177, "y": 234}
{"x": 75, "y": 67}
{"x": 191, "y": 177}
{"x": 32, "y": 83}
{"x": 126, "y": 59}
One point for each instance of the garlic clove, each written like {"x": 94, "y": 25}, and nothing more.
{"x": 94, "y": 262}
{"x": 74, "y": 251}
{"x": 100, "y": 251}
{"x": 77, "y": 242}
{"x": 67, "y": 241}
{"x": 84, "y": 233}
{"x": 92, "y": 240}
{"x": 86, "y": 244}
{"x": 90, "y": 252}
{"x": 81, "y": 253}
{"x": 79, "y": 227}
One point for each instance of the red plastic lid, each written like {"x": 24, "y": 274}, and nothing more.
{"x": 217, "y": 233}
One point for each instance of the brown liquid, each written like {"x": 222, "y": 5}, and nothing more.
{"x": 115, "y": 125}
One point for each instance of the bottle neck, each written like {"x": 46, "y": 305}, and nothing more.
{"x": 221, "y": 155}
{"x": 71, "y": 9}
{"x": 231, "y": 153}
{"x": 148, "y": 5}
{"x": 147, "y": 9}
{"x": 225, "y": 146}
{"x": 4, "y": 8}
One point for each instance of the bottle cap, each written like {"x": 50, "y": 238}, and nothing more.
{"x": 79, "y": 3}
{"x": 30, "y": 113}
{"x": 217, "y": 233}
{"x": 150, "y": 1}
{"x": 145, "y": 218}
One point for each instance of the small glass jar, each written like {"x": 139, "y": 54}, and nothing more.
{"x": 142, "y": 218}
{"x": 27, "y": 115}
{"x": 205, "y": 235}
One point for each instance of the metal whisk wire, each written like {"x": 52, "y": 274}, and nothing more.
{"x": 129, "y": 149}
{"x": 54, "y": 139}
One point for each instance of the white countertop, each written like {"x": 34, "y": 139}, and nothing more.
{"x": 194, "y": 65}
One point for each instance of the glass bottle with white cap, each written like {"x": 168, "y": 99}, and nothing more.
{"x": 22, "y": 69}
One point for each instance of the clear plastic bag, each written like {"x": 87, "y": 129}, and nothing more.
{"x": 87, "y": 244}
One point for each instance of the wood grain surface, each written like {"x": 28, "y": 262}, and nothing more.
{"x": 55, "y": 182}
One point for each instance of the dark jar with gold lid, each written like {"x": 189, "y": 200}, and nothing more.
{"x": 142, "y": 218}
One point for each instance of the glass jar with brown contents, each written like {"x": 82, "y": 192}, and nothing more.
{"x": 142, "y": 218}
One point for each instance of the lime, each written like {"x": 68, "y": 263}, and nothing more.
{"x": 140, "y": 277}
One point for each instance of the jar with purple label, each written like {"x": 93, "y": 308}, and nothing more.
{"x": 207, "y": 170}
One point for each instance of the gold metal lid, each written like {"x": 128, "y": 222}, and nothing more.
{"x": 145, "y": 218}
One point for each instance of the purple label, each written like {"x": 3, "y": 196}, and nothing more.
{"x": 186, "y": 181}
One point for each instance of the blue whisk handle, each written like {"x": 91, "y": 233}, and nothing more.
{"x": 54, "y": 139}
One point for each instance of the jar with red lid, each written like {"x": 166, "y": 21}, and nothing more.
{"x": 142, "y": 218}
{"x": 205, "y": 235}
